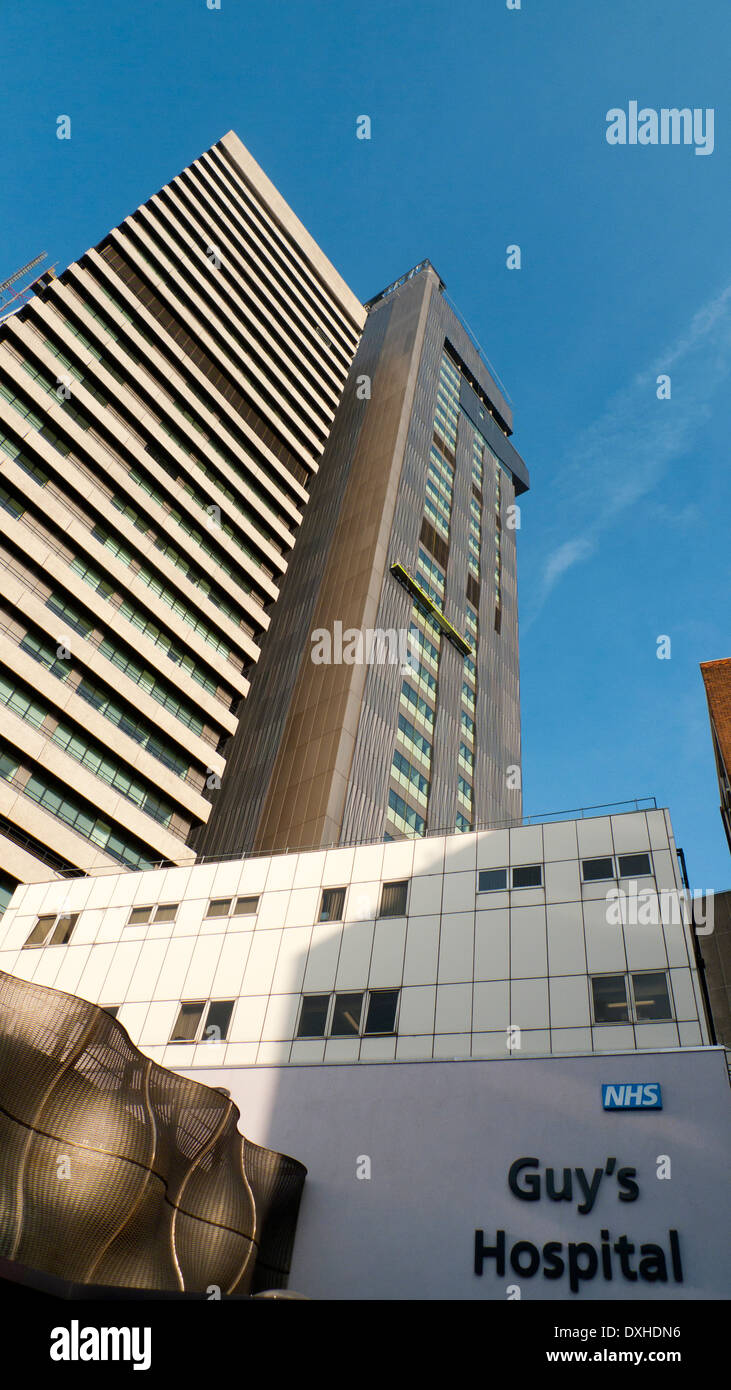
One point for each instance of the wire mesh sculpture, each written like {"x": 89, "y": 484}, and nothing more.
{"x": 117, "y": 1171}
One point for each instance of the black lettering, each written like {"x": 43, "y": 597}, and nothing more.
{"x": 576, "y": 1272}
{"x": 675, "y": 1257}
{"x": 565, "y": 1194}
{"x": 532, "y": 1190}
{"x": 486, "y": 1252}
{"x": 533, "y": 1257}
{"x": 625, "y": 1178}
{"x": 606, "y": 1255}
{"x": 589, "y": 1189}
{"x": 652, "y": 1264}
{"x": 554, "y": 1265}
{"x": 624, "y": 1248}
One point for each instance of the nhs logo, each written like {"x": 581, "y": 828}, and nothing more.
{"x": 632, "y": 1095}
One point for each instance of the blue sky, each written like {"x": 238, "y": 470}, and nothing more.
{"x": 488, "y": 129}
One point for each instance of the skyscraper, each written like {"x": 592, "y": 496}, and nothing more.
{"x": 410, "y": 531}
{"x": 717, "y": 681}
{"x": 164, "y": 404}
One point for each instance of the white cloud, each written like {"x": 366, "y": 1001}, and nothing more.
{"x": 625, "y": 453}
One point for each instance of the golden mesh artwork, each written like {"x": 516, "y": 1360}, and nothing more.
{"x": 116, "y": 1171}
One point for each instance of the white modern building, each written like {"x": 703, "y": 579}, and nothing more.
{"x": 430, "y": 1026}
{"x": 442, "y": 947}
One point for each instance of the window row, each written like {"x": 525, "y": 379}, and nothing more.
{"x": 639, "y": 997}
{"x": 356, "y": 1014}
{"x": 393, "y": 900}
{"x": 54, "y": 930}
{"x": 592, "y": 871}
{"x": 523, "y": 876}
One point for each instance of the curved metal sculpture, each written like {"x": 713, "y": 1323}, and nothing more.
{"x": 116, "y": 1171}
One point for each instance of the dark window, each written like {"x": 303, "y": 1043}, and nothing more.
{"x": 332, "y": 905}
{"x": 393, "y": 899}
{"x": 111, "y": 1009}
{"x": 245, "y": 907}
{"x": 64, "y": 928}
{"x": 52, "y": 930}
{"x": 217, "y": 1020}
{"x": 166, "y": 912}
{"x": 138, "y": 916}
{"x": 313, "y": 1016}
{"x": 610, "y": 999}
{"x": 490, "y": 879}
{"x": 528, "y": 876}
{"x": 630, "y": 864}
{"x": 186, "y": 1024}
{"x": 382, "y": 1006}
{"x": 593, "y": 869}
{"x": 41, "y": 930}
{"x": 346, "y": 1015}
{"x": 650, "y": 990}
{"x": 435, "y": 543}
{"x": 219, "y": 907}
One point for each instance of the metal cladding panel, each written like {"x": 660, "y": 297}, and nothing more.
{"x": 252, "y": 755}
{"x": 498, "y": 707}
{"x": 115, "y": 1171}
{"x": 308, "y": 792}
{"x": 310, "y": 763}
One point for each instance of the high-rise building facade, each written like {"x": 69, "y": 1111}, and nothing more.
{"x": 717, "y": 681}
{"x": 716, "y": 947}
{"x": 387, "y": 700}
{"x": 164, "y": 404}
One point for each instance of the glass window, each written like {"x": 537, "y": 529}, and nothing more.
{"x": 166, "y": 912}
{"x": 245, "y": 907}
{"x": 404, "y": 814}
{"x": 382, "y": 1005}
{"x": 346, "y": 1015}
{"x": 43, "y": 928}
{"x": 528, "y": 876}
{"x": 593, "y": 869}
{"x": 651, "y": 996}
{"x": 219, "y": 907}
{"x": 313, "y": 1016}
{"x": 8, "y": 885}
{"x": 217, "y": 1020}
{"x": 186, "y": 1025}
{"x": 332, "y": 905}
{"x": 393, "y": 899}
{"x": 51, "y": 930}
{"x": 630, "y": 864}
{"x": 491, "y": 879}
{"x": 64, "y": 928}
{"x": 610, "y": 999}
{"x": 138, "y": 916}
